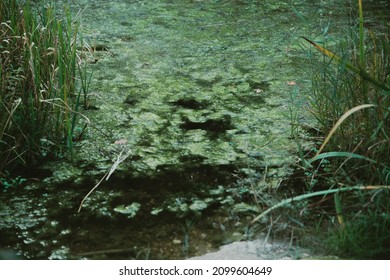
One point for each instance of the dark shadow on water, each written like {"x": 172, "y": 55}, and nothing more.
{"x": 57, "y": 231}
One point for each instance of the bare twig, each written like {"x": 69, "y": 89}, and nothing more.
{"x": 107, "y": 175}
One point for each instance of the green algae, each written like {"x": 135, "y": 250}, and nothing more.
{"x": 129, "y": 210}
{"x": 219, "y": 57}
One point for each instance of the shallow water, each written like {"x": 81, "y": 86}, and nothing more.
{"x": 197, "y": 94}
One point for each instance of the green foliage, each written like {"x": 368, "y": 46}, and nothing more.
{"x": 351, "y": 101}
{"x": 293, "y": 112}
{"x": 339, "y": 89}
{"x": 365, "y": 234}
{"x": 38, "y": 76}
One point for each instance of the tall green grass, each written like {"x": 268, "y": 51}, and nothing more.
{"x": 361, "y": 77}
{"x": 350, "y": 98}
{"x": 351, "y": 101}
{"x": 38, "y": 83}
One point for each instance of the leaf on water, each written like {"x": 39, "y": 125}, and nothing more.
{"x": 291, "y": 83}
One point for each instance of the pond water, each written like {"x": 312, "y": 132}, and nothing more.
{"x": 199, "y": 97}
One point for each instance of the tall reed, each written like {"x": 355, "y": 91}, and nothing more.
{"x": 38, "y": 77}
{"x": 361, "y": 76}
{"x": 351, "y": 101}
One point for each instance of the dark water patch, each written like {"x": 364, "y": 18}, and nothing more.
{"x": 132, "y": 99}
{"x": 192, "y": 159}
{"x": 211, "y": 125}
{"x": 178, "y": 214}
{"x": 191, "y": 103}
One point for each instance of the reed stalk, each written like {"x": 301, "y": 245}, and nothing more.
{"x": 351, "y": 102}
{"x": 39, "y": 62}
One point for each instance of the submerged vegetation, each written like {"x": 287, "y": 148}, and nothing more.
{"x": 38, "y": 76}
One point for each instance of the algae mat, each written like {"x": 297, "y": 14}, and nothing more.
{"x": 201, "y": 82}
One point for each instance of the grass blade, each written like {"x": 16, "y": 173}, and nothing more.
{"x": 309, "y": 195}
{"x": 361, "y": 34}
{"x": 340, "y": 154}
{"x": 340, "y": 121}
{"x": 339, "y": 210}
{"x": 357, "y": 70}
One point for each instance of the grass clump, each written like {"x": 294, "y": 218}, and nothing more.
{"x": 346, "y": 179}
{"x": 364, "y": 230}
{"x": 38, "y": 78}
{"x": 361, "y": 77}
{"x": 351, "y": 101}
